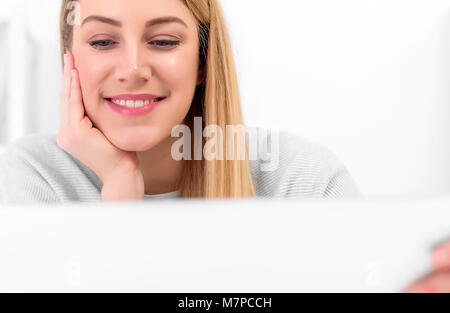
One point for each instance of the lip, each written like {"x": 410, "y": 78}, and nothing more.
{"x": 134, "y": 111}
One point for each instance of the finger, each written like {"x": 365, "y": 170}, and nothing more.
{"x": 68, "y": 65}
{"x": 441, "y": 257}
{"x": 437, "y": 282}
{"x": 76, "y": 107}
{"x": 66, "y": 88}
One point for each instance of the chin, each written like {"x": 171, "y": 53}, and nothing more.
{"x": 138, "y": 140}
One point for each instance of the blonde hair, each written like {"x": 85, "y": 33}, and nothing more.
{"x": 216, "y": 100}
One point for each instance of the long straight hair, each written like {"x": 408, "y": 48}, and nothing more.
{"x": 216, "y": 101}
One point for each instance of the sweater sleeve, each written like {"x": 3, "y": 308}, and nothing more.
{"x": 34, "y": 169}
{"x": 317, "y": 172}
{"x": 341, "y": 184}
{"x": 303, "y": 169}
{"x": 20, "y": 182}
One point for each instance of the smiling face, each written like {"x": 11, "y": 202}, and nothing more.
{"x": 131, "y": 51}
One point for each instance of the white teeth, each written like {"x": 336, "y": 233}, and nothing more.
{"x": 133, "y": 104}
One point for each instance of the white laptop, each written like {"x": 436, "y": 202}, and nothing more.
{"x": 221, "y": 246}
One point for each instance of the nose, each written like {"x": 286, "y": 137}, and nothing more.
{"x": 134, "y": 66}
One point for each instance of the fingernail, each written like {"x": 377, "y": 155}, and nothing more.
{"x": 72, "y": 72}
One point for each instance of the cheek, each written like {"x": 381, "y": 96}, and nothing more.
{"x": 180, "y": 71}
{"x": 92, "y": 70}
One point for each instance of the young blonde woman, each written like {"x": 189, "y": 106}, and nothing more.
{"x": 111, "y": 146}
{"x": 132, "y": 72}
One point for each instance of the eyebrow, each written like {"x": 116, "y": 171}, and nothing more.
{"x": 156, "y": 21}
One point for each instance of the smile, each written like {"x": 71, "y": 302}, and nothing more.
{"x": 134, "y": 104}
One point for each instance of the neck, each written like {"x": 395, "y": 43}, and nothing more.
{"x": 161, "y": 172}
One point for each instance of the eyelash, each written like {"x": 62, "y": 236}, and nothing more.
{"x": 96, "y": 44}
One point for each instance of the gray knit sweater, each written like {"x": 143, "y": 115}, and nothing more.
{"x": 35, "y": 169}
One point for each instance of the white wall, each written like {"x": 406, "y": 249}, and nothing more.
{"x": 33, "y": 71}
{"x": 367, "y": 78}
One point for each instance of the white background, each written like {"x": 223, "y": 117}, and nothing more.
{"x": 367, "y": 78}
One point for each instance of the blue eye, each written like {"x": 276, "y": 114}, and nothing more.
{"x": 107, "y": 44}
{"x": 101, "y": 44}
{"x": 166, "y": 43}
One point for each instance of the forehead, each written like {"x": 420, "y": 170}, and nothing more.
{"x": 137, "y": 11}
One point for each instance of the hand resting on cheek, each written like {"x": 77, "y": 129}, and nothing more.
{"x": 117, "y": 169}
